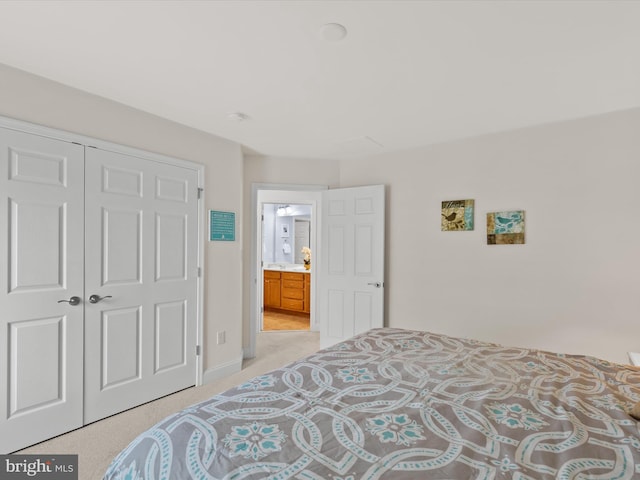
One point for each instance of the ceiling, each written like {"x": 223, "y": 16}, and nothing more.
{"x": 407, "y": 74}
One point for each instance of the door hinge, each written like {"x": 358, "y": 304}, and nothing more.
{"x": 197, "y": 350}
{"x": 200, "y": 190}
{"x": 199, "y": 272}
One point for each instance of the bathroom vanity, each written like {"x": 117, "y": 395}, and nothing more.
{"x": 287, "y": 287}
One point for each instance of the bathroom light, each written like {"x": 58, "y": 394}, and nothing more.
{"x": 284, "y": 210}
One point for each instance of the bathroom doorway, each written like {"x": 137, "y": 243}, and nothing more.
{"x": 286, "y": 247}
{"x": 278, "y": 194}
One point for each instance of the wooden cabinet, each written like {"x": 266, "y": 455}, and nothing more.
{"x": 287, "y": 291}
{"x": 307, "y": 293}
{"x": 292, "y": 291}
{"x": 271, "y": 289}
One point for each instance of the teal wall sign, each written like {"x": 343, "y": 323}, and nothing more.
{"x": 222, "y": 226}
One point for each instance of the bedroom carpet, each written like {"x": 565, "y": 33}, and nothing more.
{"x": 98, "y": 443}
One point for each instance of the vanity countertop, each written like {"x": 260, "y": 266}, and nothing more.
{"x": 286, "y": 267}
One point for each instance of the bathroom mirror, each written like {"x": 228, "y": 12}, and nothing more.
{"x": 285, "y": 230}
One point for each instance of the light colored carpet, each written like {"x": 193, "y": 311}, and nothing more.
{"x": 97, "y": 444}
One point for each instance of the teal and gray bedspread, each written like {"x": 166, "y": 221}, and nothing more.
{"x": 401, "y": 404}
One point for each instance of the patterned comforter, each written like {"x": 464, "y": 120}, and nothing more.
{"x": 400, "y": 404}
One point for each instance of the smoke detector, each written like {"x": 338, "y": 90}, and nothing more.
{"x": 333, "y": 32}
{"x": 238, "y": 116}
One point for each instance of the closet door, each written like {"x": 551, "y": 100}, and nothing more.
{"x": 41, "y": 269}
{"x": 141, "y": 265}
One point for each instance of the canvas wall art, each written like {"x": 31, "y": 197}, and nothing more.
{"x": 457, "y": 215}
{"x": 505, "y": 228}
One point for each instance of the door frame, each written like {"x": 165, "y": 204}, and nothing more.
{"x": 266, "y": 193}
{"x": 88, "y": 142}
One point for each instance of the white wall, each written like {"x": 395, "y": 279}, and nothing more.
{"x": 573, "y": 287}
{"x": 40, "y": 101}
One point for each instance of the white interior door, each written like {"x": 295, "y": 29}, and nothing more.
{"x": 351, "y": 275}
{"x": 141, "y": 248}
{"x": 41, "y": 245}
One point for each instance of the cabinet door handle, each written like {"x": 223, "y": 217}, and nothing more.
{"x": 375, "y": 284}
{"x": 96, "y": 298}
{"x": 73, "y": 301}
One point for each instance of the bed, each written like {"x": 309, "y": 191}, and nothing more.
{"x": 403, "y": 404}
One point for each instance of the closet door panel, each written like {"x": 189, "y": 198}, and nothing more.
{"x": 141, "y": 240}
{"x": 121, "y": 246}
{"x": 42, "y": 250}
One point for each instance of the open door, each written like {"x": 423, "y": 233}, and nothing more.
{"x": 351, "y": 270}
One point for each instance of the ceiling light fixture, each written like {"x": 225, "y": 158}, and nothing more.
{"x": 238, "y": 116}
{"x": 333, "y": 32}
{"x": 284, "y": 210}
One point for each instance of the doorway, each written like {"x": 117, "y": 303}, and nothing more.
{"x": 279, "y": 195}
{"x": 286, "y": 234}
{"x": 352, "y": 221}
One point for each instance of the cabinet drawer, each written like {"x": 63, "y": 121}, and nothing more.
{"x": 292, "y": 284}
{"x": 296, "y": 293}
{"x": 292, "y": 276}
{"x": 271, "y": 274}
{"x": 291, "y": 304}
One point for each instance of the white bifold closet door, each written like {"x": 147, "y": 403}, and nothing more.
{"x": 99, "y": 296}
{"x": 141, "y": 267}
{"x": 42, "y": 248}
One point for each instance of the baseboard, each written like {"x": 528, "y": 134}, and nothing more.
{"x": 224, "y": 370}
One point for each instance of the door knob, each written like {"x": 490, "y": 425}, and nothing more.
{"x": 72, "y": 301}
{"x": 375, "y": 284}
{"x": 96, "y": 298}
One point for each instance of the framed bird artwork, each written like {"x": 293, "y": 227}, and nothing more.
{"x": 457, "y": 215}
{"x": 505, "y": 228}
